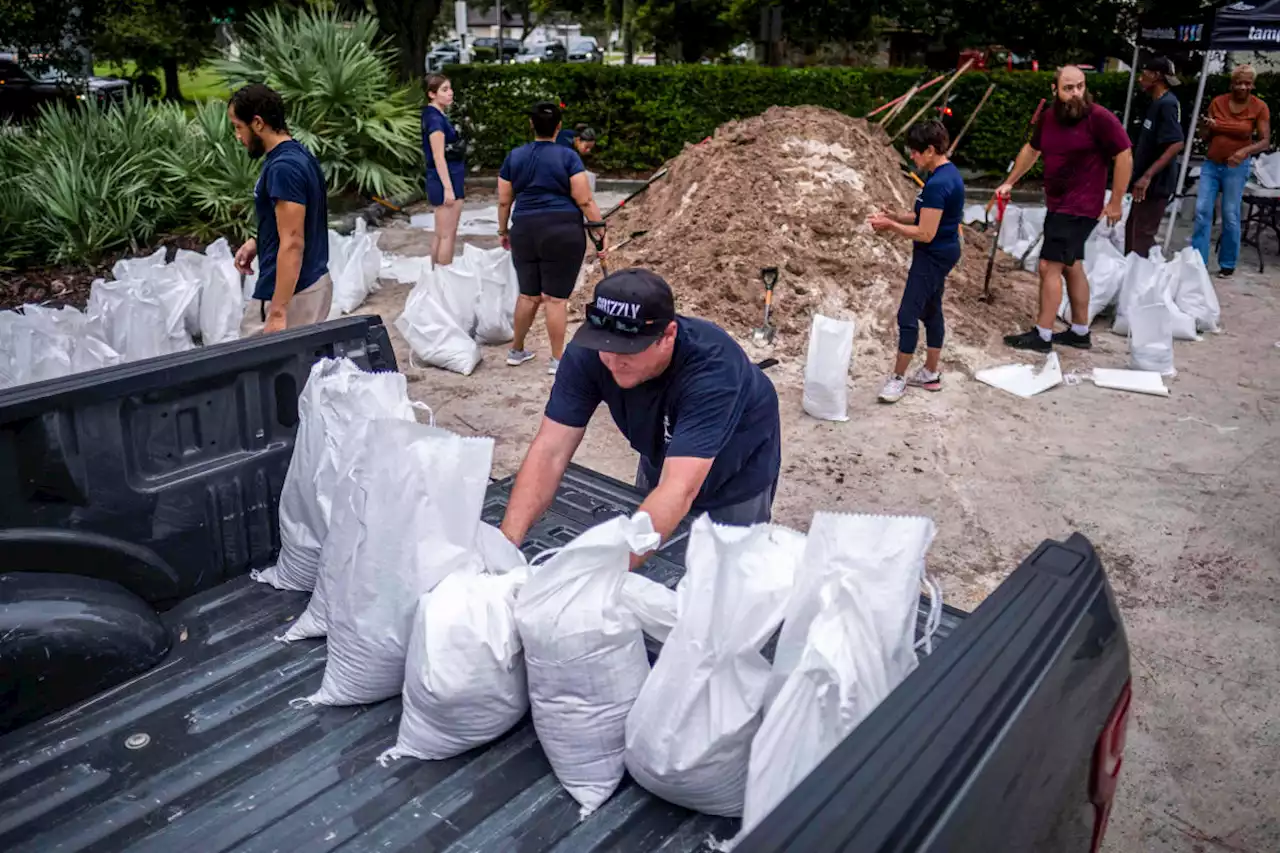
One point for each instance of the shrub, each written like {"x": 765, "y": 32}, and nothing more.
{"x": 344, "y": 104}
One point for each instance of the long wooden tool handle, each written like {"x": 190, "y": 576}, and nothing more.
{"x": 938, "y": 94}
{"x": 973, "y": 115}
{"x": 906, "y": 95}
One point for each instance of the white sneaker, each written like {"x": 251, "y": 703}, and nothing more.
{"x": 922, "y": 378}
{"x": 517, "y": 357}
{"x": 894, "y": 388}
{"x": 553, "y": 365}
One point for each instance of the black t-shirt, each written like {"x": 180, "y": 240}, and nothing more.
{"x": 711, "y": 403}
{"x": 1161, "y": 128}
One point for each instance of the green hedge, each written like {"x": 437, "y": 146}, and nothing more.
{"x": 645, "y": 115}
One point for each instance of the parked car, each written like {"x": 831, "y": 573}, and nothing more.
{"x": 22, "y": 93}
{"x": 486, "y": 49}
{"x": 586, "y": 50}
{"x": 442, "y": 55}
{"x": 148, "y": 707}
{"x": 552, "y": 51}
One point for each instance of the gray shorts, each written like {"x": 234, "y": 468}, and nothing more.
{"x": 755, "y": 510}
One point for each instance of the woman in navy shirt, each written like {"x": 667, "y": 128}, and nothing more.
{"x": 446, "y": 166}
{"x": 934, "y": 226}
{"x": 551, "y": 191}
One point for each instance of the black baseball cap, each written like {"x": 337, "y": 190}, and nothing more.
{"x": 1163, "y": 66}
{"x": 629, "y": 312}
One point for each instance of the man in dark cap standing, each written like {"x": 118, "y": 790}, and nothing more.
{"x": 1159, "y": 143}
{"x": 703, "y": 418}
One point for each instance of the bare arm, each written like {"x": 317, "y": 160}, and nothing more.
{"x": 291, "y": 218}
{"x": 1264, "y": 139}
{"x": 1121, "y": 174}
{"x": 1027, "y": 158}
{"x": 930, "y": 218}
{"x": 1163, "y": 160}
{"x": 681, "y": 480}
{"x": 506, "y": 198}
{"x": 436, "y": 140}
{"x": 580, "y": 187}
{"x": 540, "y": 474}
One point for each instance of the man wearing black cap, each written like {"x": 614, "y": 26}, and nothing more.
{"x": 703, "y": 418}
{"x": 1159, "y": 143}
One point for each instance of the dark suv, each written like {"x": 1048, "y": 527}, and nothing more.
{"x": 22, "y": 93}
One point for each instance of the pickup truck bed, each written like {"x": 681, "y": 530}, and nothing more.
{"x": 996, "y": 742}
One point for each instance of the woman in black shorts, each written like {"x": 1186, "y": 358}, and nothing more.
{"x": 550, "y": 189}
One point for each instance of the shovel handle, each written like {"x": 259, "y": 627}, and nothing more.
{"x": 770, "y": 277}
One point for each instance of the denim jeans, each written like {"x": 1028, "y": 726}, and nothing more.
{"x": 1215, "y": 178}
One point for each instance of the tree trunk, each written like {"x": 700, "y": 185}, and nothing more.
{"x": 407, "y": 23}
{"x": 172, "y": 82}
{"x": 628, "y": 32}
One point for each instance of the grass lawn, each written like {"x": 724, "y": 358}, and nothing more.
{"x": 199, "y": 85}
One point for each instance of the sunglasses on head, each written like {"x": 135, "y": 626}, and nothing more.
{"x": 620, "y": 325}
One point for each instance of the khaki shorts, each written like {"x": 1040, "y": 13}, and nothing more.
{"x": 306, "y": 308}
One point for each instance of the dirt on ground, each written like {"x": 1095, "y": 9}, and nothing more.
{"x": 792, "y": 188}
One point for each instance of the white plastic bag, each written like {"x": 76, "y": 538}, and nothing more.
{"x": 652, "y": 603}
{"x": 432, "y": 333}
{"x": 1194, "y": 292}
{"x": 1104, "y": 267}
{"x": 354, "y": 264}
{"x": 423, "y": 490}
{"x": 464, "y": 678}
{"x": 1266, "y": 170}
{"x": 338, "y": 394}
{"x": 1151, "y": 331}
{"x": 1011, "y": 229}
{"x": 585, "y": 655}
{"x": 133, "y": 319}
{"x": 127, "y": 269}
{"x": 458, "y": 289}
{"x": 221, "y": 300}
{"x": 689, "y": 733}
{"x": 847, "y": 640}
{"x": 826, "y": 369}
{"x": 498, "y": 291}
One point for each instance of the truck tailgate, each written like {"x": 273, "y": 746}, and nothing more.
{"x": 205, "y": 752}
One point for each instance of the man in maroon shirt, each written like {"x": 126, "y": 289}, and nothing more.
{"x": 1078, "y": 140}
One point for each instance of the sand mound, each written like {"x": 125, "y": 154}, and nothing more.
{"x": 792, "y": 188}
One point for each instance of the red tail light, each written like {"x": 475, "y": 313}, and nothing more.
{"x": 1108, "y": 756}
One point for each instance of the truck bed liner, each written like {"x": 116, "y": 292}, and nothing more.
{"x": 204, "y": 752}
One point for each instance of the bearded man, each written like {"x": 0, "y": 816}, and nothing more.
{"x": 292, "y": 205}
{"x": 1078, "y": 139}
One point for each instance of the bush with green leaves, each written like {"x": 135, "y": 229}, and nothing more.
{"x": 645, "y": 115}
{"x": 344, "y": 102}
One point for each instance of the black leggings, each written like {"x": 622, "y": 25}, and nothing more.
{"x": 922, "y": 300}
{"x": 547, "y": 251}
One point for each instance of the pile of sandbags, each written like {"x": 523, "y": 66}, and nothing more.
{"x": 354, "y": 265}
{"x": 1023, "y": 232}
{"x": 1161, "y": 301}
{"x": 454, "y": 309}
{"x": 39, "y": 343}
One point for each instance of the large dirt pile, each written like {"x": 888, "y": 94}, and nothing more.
{"x": 792, "y": 188}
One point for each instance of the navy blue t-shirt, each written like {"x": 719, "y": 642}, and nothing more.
{"x": 943, "y": 191}
{"x": 454, "y": 147}
{"x": 711, "y": 403}
{"x": 291, "y": 173}
{"x": 565, "y": 137}
{"x": 540, "y": 173}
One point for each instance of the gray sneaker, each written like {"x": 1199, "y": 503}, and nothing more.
{"x": 517, "y": 357}
{"x": 894, "y": 388}
{"x": 553, "y": 365}
{"x": 922, "y": 378}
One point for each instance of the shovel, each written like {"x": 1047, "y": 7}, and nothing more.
{"x": 595, "y": 230}
{"x": 1001, "y": 204}
{"x": 764, "y": 334}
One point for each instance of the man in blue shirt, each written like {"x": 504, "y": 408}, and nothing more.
{"x": 292, "y": 205}
{"x": 703, "y": 418}
{"x": 934, "y": 228}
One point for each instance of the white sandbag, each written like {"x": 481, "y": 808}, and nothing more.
{"x": 974, "y": 213}
{"x": 432, "y": 333}
{"x": 826, "y": 369}
{"x": 1266, "y": 170}
{"x": 423, "y": 491}
{"x": 338, "y": 394}
{"x": 221, "y": 300}
{"x": 1031, "y": 223}
{"x": 41, "y": 342}
{"x": 1104, "y": 267}
{"x": 457, "y": 287}
{"x": 354, "y": 264}
{"x": 1194, "y": 293}
{"x": 689, "y": 733}
{"x": 127, "y": 269}
{"x": 181, "y": 299}
{"x": 847, "y": 641}
{"x": 1148, "y": 318}
{"x": 134, "y": 321}
{"x": 404, "y": 269}
{"x": 652, "y": 603}
{"x": 1010, "y": 230}
{"x": 464, "y": 677}
{"x": 585, "y": 655}
{"x": 1113, "y": 234}
{"x": 498, "y": 291}
{"x": 92, "y": 353}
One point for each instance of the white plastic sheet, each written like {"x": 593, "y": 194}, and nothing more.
{"x": 433, "y": 334}
{"x": 826, "y": 370}
{"x": 1138, "y": 381}
{"x": 585, "y": 655}
{"x": 423, "y": 490}
{"x": 848, "y": 639}
{"x": 337, "y": 396}
{"x": 1023, "y": 380}
{"x": 689, "y": 733}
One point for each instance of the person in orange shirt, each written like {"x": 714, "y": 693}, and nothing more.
{"x": 1237, "y": 127}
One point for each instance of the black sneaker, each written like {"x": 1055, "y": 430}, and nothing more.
{"x": 1226, "y": 273}
{"x": 1029, "y": 340}
{"x": 1071, "y": 339}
